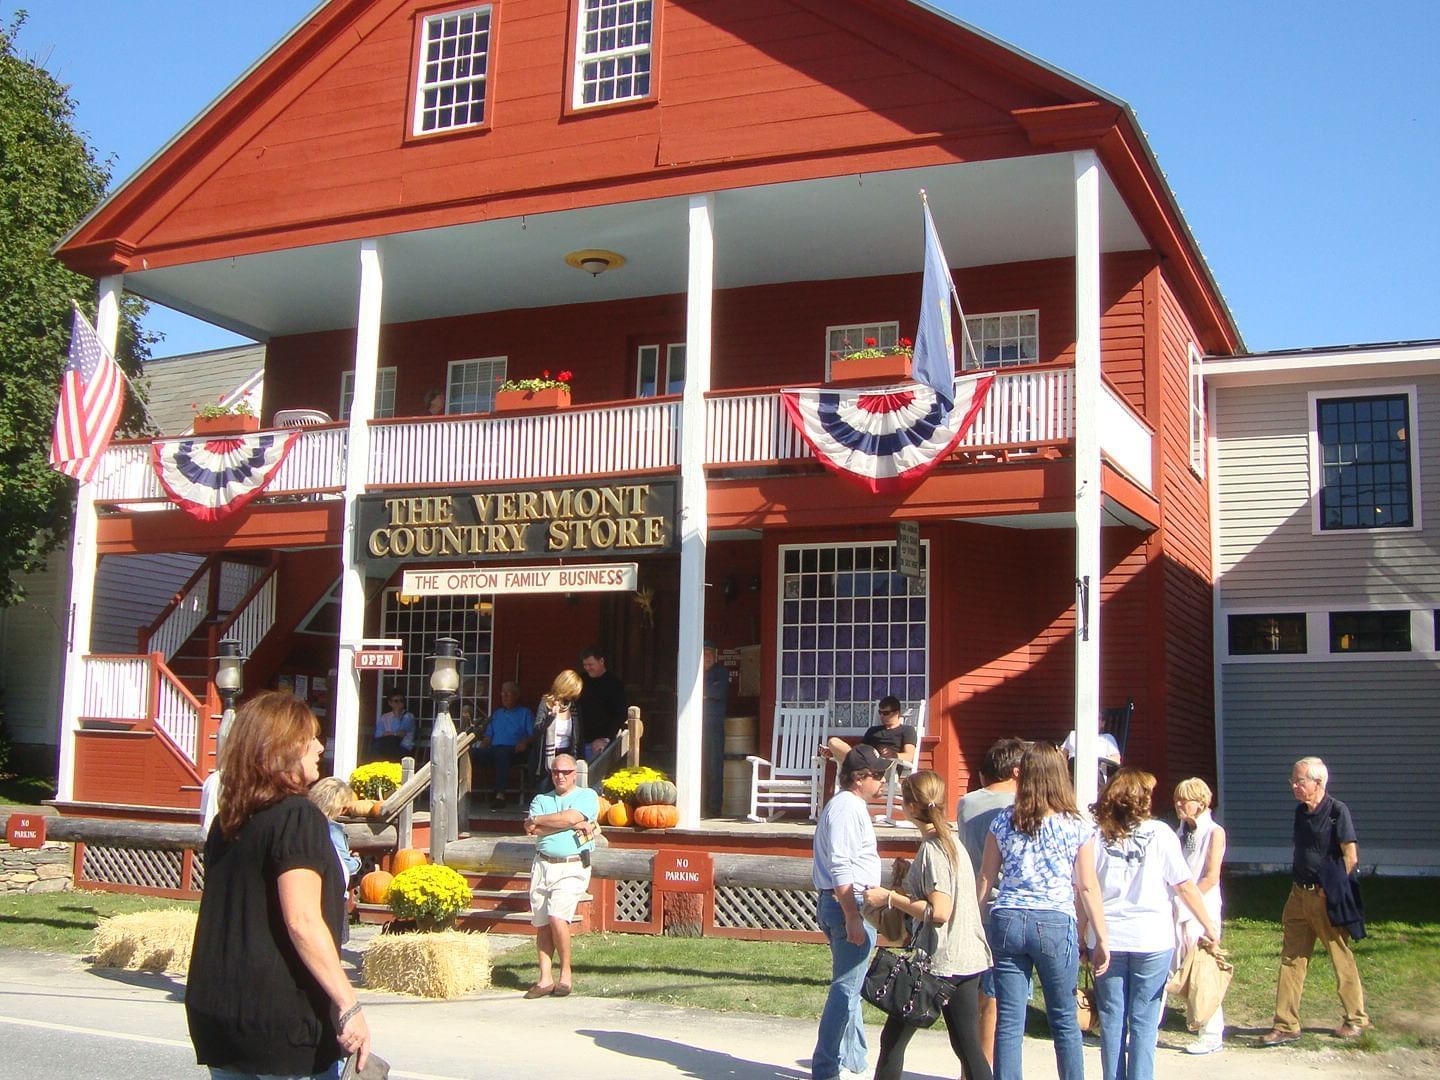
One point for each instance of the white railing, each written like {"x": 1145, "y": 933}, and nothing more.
{"x": 571, "y": 442}
{"x": 252, "y": 622}
{"x": 116, "y": 688}
{"x": 1023, "y": 408}
{"x": 317, "y": 460}
{"x": 177, "y": 714}
{"x": 236, "y": 580}
{"x": 1124, "y": 439}
{"x": 187, "y": 614}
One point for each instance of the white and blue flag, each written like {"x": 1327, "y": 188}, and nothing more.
{"x": 934, "y": 363}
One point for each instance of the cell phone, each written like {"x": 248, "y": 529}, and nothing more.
{"x": 585, "y": 859}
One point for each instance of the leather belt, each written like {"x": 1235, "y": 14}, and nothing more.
{"x": 559, "y": 858}
{"x": 1308, "y": 888}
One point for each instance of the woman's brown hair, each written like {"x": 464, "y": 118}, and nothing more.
{"x": 261, "y": 754}
{"x": 924, "y": 794}
{"x": 1044, "y": 788}
{"x": 1124, "y": 803}
{"x": 565, "y": 688}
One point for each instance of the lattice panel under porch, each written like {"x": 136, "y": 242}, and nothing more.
{"x": 132, "y": 866}
{"x": 746, "y": 907}
{"x": 197, "y": 872}
{"x": 632, "y": 901}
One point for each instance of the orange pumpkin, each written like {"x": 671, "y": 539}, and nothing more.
{"x": 619, "y": 814}
{"x": 377, "y": 807}
{"x": 375, "y": 887}
{"x": 657, "y": 816}
{"x": 361, "y": 807}
{"x": 405, "y": 858}
{"x": 605, "y": 805}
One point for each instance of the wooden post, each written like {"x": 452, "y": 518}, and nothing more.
{"x": 405, "y": 823}
{"x": 444, "y": 788}
{"x": 634, "y": 728}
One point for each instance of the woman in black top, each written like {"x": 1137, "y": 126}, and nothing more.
{"x": 266, "y": 994}
{"x": 559, "y": 726}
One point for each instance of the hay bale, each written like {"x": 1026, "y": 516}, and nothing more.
{"x": 146, "y": 940}
{"x": 439, "y": 965}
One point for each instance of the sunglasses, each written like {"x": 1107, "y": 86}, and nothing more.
{"x": 562, "y": 772}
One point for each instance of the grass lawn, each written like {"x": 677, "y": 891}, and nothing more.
{"x": 25, "y": 790}
{"x": 65, "y": 922}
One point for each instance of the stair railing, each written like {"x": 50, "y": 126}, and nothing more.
{"x": 176, "y": 711}
{"x": 190, "y": 607}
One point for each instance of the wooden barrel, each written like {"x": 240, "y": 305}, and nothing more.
{"x": 739, "y": 741}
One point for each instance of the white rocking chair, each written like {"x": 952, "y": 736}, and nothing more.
{"x": 789, "y": 778}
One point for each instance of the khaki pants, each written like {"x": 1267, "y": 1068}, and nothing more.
{"x": 1303, "y": 921}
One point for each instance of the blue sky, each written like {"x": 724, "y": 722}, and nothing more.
{"x": 1302, "y": 140}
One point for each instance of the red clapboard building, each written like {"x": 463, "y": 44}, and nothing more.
{"x": 689, "y": 205}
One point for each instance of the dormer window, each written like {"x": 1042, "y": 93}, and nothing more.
{"x": 613, "y": 52}
{"x": 451, "y": 84}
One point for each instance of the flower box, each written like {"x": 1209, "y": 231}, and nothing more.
{"x": 234, "y": 424}
{"x": 526, "y": 400}
{"x": 859, "y": 371}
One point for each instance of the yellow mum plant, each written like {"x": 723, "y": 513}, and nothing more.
{"x": 378, "y": 780}
{"x": 431, "y": 895}
{"x": 621, "y": 784}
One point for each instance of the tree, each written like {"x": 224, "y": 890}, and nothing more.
{"x": 49, "y": 180}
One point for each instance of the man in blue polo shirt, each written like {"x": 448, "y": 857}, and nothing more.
{"x": 564, "y": 824}
{"x": 507, "y": 734}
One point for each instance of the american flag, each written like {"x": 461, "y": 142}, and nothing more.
{"x": 92, "y": 393}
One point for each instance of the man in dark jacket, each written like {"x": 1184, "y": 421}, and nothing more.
{"x": 1323, "y": 831}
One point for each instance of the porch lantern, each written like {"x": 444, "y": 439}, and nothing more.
{"x": 445, "y": 674}
{"x": 229, "y": 683}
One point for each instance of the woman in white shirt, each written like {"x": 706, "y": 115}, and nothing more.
{"x": 1202, "y": 842}
{"x": 1139, "y": 864}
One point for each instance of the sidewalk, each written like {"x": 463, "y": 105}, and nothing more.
{"x": 60, "y": 1018}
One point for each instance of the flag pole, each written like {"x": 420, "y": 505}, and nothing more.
{"x": 133, "y": 388}
{"x": 954, "y": 295}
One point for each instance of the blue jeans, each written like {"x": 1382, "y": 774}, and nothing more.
{"x": 1023, "y": 941}
{"x": 841, "y": 1041}
{"x": 1130, "y": 998}
{"x": 499, "y": 756}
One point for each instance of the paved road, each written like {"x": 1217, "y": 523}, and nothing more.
{"x": 60, "y": 1020}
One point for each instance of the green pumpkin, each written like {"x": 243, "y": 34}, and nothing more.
{"x": 655, "y": 793}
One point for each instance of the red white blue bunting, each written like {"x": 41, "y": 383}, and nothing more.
{"x": 887, "y": 438}
{"x": 212, "y": 478}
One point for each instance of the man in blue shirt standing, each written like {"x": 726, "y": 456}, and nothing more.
{"x": 716, "y": 696}
{"x": 507, "y": 734}
{"x": 564, "y": 824}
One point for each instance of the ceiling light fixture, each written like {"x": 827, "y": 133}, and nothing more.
{"x": 594, "y": 261}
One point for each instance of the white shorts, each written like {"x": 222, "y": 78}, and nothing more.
{"x": 556, "y": 889}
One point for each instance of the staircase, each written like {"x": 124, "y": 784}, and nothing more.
{"x": 499, "y": 902}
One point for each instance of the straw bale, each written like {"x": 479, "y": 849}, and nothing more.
{"x": 447, "y": 964}
{"x": 146, "y": 940}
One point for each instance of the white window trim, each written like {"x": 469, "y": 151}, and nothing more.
{"x": 504, "y": 362}
{"x": 417, "y": 118}
{"x": 347, "y": 380}
{"x": 861, "y": 327}
{"x": 1317, "y": 633}
{"x": 1197, "y": 412}
{"x": 577, "y": 75}
{"x": 1315, "y": 463}
{"x": 965, "y": 355}
{"x": 664, "y": 356}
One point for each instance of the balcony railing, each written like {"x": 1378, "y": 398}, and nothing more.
{"x": 1026, "y": 409}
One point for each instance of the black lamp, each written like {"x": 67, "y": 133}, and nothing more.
{"x": 445, "y": 673}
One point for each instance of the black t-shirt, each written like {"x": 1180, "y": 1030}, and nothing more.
{"x": 1317, "y": 836}
{"x": 251, "y": 1003}
{"x": 887, "y": 739}
{"x": 602, "y": 699}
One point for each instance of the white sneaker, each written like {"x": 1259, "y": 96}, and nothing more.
{"x": 1205, "y": 1046}
{"x": 851, "y": 1074}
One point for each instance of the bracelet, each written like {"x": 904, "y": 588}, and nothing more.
{"x": 890, "y": 900}
{"x": 346, "y": 1016}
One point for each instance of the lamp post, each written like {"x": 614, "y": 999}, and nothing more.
{"x": 229, "y": 682}
{"x": 444, "y": 785}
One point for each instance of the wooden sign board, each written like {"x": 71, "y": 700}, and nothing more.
{"x": 907, "y": 548}
{"x": 683, "y": 871}
{"x": 26, "y": 830}
{"x": 379, "y": 659}
{"x": 592, "y": 577}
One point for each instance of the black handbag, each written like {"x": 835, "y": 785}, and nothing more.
{"x": 900, "y": 983}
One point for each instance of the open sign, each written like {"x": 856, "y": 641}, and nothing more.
{"x": 379, "y": 659}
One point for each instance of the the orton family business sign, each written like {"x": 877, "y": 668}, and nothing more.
{"x": 600, "y": 519}
{"x": 592, "y": 577}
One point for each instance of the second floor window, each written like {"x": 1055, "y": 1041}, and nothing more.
{"x": 384, "y": 392}
{"x": 660, "y": 370}
{"x": 454, "y": 65}
{"x": 1370, "y": 631}
{"x": 613, "y": 51}
{"x": 1364, "y": 445}
{"x": 471, "y": 385}
{"x": 1002, "y": 339}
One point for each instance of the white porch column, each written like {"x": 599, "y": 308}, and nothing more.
{"x": 694, "y": 519}
{"x": 84, "y": 563}
{"x": 1087, "y": 473}
{"x": 357, "y": 459}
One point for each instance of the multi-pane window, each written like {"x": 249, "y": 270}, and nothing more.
{"x": 1002, "y": 339}
{"x": 656, "y": 375}
{"x": 1369, "y": 631}
{"x": 471, "y": 385}
{"x": 1197, "y": 413}
{"x": 1364, "y": 445}
{"x": 418, "y": 621}
{"x": 384, "y": 392}
{"x": 1262, "y": 635}
{"x": 852, "y": 629}
{"x": 454, "y": 62}
{"x": 613, "y": 51}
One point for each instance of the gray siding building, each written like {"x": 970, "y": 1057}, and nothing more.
{"x": 1325, "y": 470}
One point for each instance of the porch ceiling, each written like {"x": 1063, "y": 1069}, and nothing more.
{"x": 989, "y": 212}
